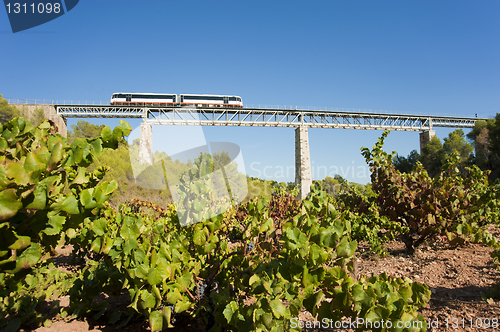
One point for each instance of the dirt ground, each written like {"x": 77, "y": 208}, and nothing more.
{"x": 458, "y": 278}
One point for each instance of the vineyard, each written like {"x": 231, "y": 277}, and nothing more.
{"x": 265, "y": 265}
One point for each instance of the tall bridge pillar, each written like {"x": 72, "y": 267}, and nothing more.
{"x": 146, "y": 144}
{"x": 303, "y": 176}
{"x": 425, "y": 138}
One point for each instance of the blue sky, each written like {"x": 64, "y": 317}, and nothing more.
{"x": 412, "y": 57}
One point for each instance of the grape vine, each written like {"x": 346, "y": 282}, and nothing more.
{"x": 46, "y": 194}
{"x": 450, "y": 205}
{"x": 251, "y": 268}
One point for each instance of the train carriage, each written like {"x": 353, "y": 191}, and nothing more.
{"x": 158, "y": 99}
{"x": 143, "y": 99}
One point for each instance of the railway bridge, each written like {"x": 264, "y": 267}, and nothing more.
{"x": 301, "y": 120}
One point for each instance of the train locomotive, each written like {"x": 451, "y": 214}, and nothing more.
{"x": 159, "y": 99}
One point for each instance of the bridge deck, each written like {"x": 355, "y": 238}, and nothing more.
{"x": 266, "y": 117}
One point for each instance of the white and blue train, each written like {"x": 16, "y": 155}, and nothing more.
{"x": 161, "y": 99}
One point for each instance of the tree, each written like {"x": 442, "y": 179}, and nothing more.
{"x": 479, "y": 136}
{"x": 494, "y": 135}
{"x": 434, "y": 154}
{"x": 494, "y": 140}
{"x": 220, "y": 160}
{"x": 480, "y": 124}
{"x": 486, "y": 139}
{"x": 7, "y": 112}
{"x": 406, "y": 164}
{"x": 456, "y": 143}
{"x": 331, "y": 185}
{"x": 84, "y": 129}
{"x": 432, "y": 157}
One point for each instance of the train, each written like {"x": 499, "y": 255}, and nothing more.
{"x": 161, "y": 99}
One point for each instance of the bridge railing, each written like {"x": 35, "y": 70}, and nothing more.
{"x": 55, "y": 102}
{"x": 316, "y": 108}
{"x": 341, "y": 109}
{"x": 30, "y": 101}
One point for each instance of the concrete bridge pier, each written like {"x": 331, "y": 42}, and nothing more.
{"x": 303, "y": 176}
{"x": 425, "y": 138}
{"x": 146, "y": 144}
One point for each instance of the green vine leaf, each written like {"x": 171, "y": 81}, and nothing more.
{"x": 278, "y": 308}
{"x": 9, "y": 204}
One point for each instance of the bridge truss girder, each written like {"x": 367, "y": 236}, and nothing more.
{"x": 295, "y": 118}
{"x": 266, "y": 117}
{"x": 99, "y": 111}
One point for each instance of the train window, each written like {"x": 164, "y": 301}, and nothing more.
{"x": 203, "y": 98}
{"x": 192, "y": 97}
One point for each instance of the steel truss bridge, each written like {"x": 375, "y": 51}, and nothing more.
{"x": 256, "y": 117}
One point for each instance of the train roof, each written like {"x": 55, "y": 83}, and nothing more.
{"x": 181, "y": 94}
{"x": 142, "y": 93}
{"x": 200, "y": 94}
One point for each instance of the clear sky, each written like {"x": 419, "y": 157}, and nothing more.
{"x": 411, "y": 57}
